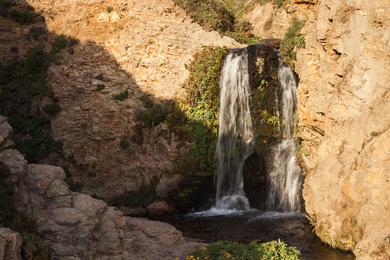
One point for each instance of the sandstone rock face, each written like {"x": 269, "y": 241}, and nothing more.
{"x": 137, "y": 46}
{"x": 269, "y": 21}
{"x": 344, "y": 121}
{"x": 10, "y": 244}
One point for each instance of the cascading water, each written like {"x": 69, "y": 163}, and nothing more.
{"x": 235, "y": 137}
{"x": 285, "y": 176}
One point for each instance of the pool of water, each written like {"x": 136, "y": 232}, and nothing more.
{"x": 245, "y": 226}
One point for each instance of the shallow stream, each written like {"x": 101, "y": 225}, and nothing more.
{"x": 292, "y": 228}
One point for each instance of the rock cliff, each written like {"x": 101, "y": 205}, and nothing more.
{"x": 344, "y": 124}
{"x": 137, "y": 48}
{"x": 77, "y": 226}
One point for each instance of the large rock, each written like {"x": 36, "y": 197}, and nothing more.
{"x": 344, "y": 122}
{"x": 77, "y": 226}
{"x": 10, "y": 244}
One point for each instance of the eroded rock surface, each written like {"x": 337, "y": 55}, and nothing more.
{"x": 77, "y": 226}
{"x": 137, "y": 46}
{"x": 10, "y": 244}
{"x": 344, "y": 113}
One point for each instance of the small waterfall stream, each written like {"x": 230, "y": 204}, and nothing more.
{"x": 285, "y": 176}
{"x": 235, "y": 138}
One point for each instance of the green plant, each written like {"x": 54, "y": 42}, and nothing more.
{"x": 100, "y": 87}
{"x": 52, "y": 109}
{"x": 198, "y": 113}
{"x": 122, "y": 95}
{"x": 216, "y": 15}
{"x": 273, "y": 250}
{"x": 210, "y": 14}
{"x": 292, "y": 40}
{"x": 279, "y": 3}
{"x": 154, "y": 114}
{"x": 21, "y": 81}
{"x": 59, "y": 43}
{"x": 243, "y": 37}
{"x": 273, "y": 121}
{"x": 109, "y": 9}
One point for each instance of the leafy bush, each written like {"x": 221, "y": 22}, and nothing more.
{"x": 200, "y": 109}
{"x": 22, "y": 17}
{"x": 215, "y": 15}
{"x": 292, "y": 39}
{"x": 19, "y": 16}
{"x": 274, "y": 250}
{"x": 21, "y": 81}
{"x": 210, "y": 14}
{"x": 122, "y": 95}
{"x": 155, "y": 114}
{"x": 59, "y": 43}
{"x": 109, "y": 9}
{"x": 279, "y": 3}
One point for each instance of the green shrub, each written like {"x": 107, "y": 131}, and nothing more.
{"x": 210, "y": 14}
{"x": 215, "y": 15}
{"x": 122, "y": 95}
{"x": 292, "y": 39}
{"x": 21, "y": 81}
{"x": 109, "y": 9}
{"x": 59, "y": 44}
{"x": 52, "y": 109}
{"x": 100, "y": 87}
{"x": 22, "y": 17}
{"x": 154, "y": 115}
{"x": 199, "y": 122}
{"x": 274, "y": 250}
{"x": 279, "y": 3}
{"x": 273, "y": 121}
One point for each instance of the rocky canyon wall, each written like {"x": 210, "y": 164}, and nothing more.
{"x": 343, "y": 110}
{"x": 136, "y": 48}
{"x": 344, "y": 106}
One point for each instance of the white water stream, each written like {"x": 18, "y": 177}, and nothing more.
{"x": 236, "y": 140}
{"x": 235, "y": 137}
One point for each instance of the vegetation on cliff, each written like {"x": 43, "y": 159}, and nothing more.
{"x": 201, "y": 109}
{"x": 273, "y": 250}
{"x": 215, "y": 15}
{"x": 24, "y": 82}
{"x": 292, "y": 40}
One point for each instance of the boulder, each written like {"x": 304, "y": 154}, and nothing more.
{"x": 10, "y": 244}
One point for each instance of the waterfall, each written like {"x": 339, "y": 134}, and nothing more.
{"x": 285, "y": 175}
{"x": 235, "y": 138}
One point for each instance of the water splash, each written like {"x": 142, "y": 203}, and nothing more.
{"x": 285, "y": 177}
{"x": 235, "y": 136}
